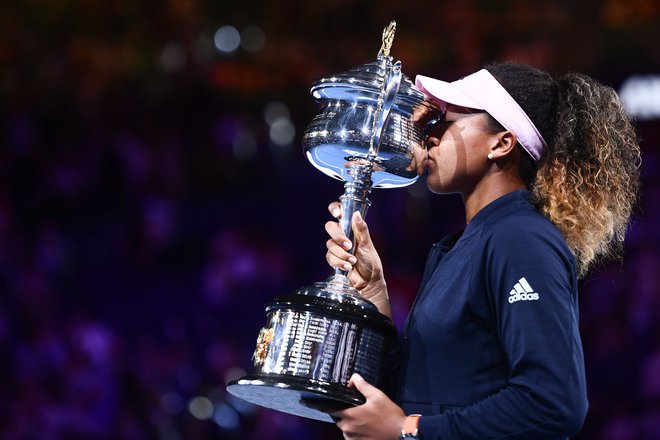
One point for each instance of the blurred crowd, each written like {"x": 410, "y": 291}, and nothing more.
{"x": 154, "y": 198}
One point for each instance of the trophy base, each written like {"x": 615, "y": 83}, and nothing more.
{"x": 302, "y": 397}
{"x": 313, "y": 342}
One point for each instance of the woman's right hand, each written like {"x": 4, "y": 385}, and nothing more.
{"x": 365, "y": 270}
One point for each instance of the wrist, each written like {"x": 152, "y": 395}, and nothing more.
{"x": 377, "y": 293}
{"x": 409, "y": 429}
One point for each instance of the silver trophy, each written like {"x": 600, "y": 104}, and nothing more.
{"x": 368, "y": 134}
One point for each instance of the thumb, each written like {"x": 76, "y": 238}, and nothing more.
{"x": 364, "y": 387}
{"x": 360, "y": 228}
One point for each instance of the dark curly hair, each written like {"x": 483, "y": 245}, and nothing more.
{"x": 587, "y": 181}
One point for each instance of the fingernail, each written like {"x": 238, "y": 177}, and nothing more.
{"x": 347, "y": 266}
{"x": 348, "y": 245}
{"x": 352, "y": 260}
{"x": 336, "y": 212}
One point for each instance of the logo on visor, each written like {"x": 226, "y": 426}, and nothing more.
{"x": 522, "y": 291}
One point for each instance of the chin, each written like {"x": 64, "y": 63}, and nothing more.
{"x": 435, "y": 188}
{"x": 438, "y": 188}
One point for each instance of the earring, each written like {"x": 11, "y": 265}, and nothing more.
{"x": 490, "y": 156}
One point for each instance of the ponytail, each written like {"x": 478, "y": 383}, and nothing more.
{"x": 588, "y": 182}
{"x": 588, "y": 179}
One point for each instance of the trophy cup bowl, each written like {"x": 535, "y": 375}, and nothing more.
{"x": 368, "y": 116}
{"x": 368, "y": 134}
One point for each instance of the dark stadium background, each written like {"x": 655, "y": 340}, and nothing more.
{"x": 154, "y": 197}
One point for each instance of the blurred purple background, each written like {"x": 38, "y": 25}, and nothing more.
{"x": 154, "y": 197}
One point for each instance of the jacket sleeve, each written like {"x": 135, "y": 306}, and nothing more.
{"x": 531, "y": 286}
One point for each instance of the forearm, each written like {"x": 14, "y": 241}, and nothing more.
{"x": 512, "y": 413}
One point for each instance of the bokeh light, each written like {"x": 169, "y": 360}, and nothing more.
{"x": 227, "y": 39}
{"x": 201, "y": 407}
{"x": 226, "y": 417}
{"x": 641, "y": 96}
{"x": 282, "y": 132}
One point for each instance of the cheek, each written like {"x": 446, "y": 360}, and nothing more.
{"x": 451, "y": 154}
{"x": 445, "y": 168}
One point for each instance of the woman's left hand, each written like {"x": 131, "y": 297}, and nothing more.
{"x": 379, "y": 418}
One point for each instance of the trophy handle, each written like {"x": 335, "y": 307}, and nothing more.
{"x": 392, "y": 83}
{"x": 357, "y": 189}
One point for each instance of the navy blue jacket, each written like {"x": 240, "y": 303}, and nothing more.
{"x": 491, "y": 348}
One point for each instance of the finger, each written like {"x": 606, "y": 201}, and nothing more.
{"x": 341, "y": 414}
{"x": 339, "y": 263}
{"x": 364, "y": 387}
{"x": 337, "y": 235}
{"x": 339, "y": 252}
{"x": 360, "y": 228}
{"x": 357, "y": 280}
{"x": 335, "y": 209}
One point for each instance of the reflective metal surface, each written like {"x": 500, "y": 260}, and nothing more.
{"x": 345, "y": 131}
{"x": 311, "y": 345}
{"x": 320, "y": 347}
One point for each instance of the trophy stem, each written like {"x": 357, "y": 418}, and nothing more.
{"x": 354, "y": 199}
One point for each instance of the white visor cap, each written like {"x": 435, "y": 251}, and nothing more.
{"x": 481, "y": 91}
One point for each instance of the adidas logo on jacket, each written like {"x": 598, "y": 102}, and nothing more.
{"x": 522, "y": 291}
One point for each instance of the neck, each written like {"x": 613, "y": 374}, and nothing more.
{"x": 487, "y": 190}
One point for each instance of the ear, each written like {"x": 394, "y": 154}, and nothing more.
{"x": 505, "y": 144}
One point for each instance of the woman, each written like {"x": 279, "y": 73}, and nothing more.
{"x": 548, "y": 174}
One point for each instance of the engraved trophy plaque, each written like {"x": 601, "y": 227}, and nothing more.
{"x": 368, "y": 136}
